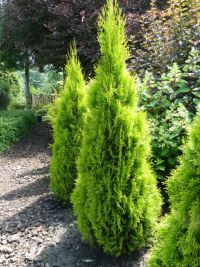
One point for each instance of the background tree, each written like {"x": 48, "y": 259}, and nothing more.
{"x": 40, "y": 32}
{"x": 167, "y": 35}
{"x": 67, "y": 130}
{"x": 47, "y": 82}
{"x": 116, "y": 200}
{"x": 78, "y": 19}
{"x": 22, "y": 29}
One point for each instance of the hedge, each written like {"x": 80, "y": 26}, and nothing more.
{"x": 13, "y": 125}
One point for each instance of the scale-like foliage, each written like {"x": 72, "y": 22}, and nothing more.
{"x": 178, "y": 242}
{"x": 115, "y": 198}
{"x": 67, "y": 127}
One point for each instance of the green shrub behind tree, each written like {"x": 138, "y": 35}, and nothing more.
{"x": 10, "y": 89}
{"x": 171, "y": 102}
{"x": 116, "y": 200}
{"x": 178, "y": 242}
{"x": 4, "y": 95}
{"x": 67, "y": 127}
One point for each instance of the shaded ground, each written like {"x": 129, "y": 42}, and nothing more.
{"x": 35, "y": 230}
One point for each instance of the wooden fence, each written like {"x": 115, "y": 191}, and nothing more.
{"x": 40, "y": 100}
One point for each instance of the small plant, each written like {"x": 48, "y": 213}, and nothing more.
{"x": 115, "y": 199}
{"x": 67, "y": 127}
{"x": 178, "y": 241}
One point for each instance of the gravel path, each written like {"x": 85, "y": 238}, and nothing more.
{"x": 35, "y": 230}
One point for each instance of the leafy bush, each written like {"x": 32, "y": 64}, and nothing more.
{"x": 67, "y": 127}
{"x": 190, "y": 88}
{"x": 167, "y": 35}
{"x": 10, "y": 89}
{"x": 4, "y": 95}
{"x": 171, "y": 103}
{"x": 13, "y": 125}
{"x": 115, "y": 199}
{"x": 178, "y": 242}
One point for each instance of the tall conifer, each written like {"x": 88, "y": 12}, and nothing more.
{"x": 67, "y": 128}
{"x": 116, "y": 199}
{"x": 178, "y": 242}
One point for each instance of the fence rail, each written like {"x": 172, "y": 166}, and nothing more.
{"x": 40, "y": 100}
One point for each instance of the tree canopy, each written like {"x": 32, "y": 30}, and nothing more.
{"x": 43, "y": 30}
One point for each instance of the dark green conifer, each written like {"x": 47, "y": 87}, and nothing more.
{"x": 116, "y": 199}
{"x": 178, "y": 241}
{"x": 67, "y": 128}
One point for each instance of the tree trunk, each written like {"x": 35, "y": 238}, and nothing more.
{"x": 27, "y": 83}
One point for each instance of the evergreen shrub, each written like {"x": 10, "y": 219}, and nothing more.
{"x": 67, "y": 127}
{"x": 115, "y": 199}
{"x": 178, "y": 241}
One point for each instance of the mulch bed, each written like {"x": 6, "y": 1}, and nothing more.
{"x": 35, "y": 230}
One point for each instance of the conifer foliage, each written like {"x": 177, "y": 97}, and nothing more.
{"x": 178, "y": 242}
{"x": 67, "y": 127}
{"x": 115, "y": 199}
